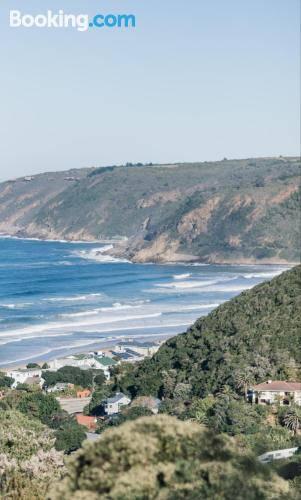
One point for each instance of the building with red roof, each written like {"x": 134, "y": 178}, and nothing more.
{"x": 89, "y": 422}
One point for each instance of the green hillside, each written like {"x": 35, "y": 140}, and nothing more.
{"x": 226, "y": 211}
{"x": 254, "y": 336}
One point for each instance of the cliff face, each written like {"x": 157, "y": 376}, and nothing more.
{"x": 228, "y": 211}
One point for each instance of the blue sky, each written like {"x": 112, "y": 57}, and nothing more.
{"x": 196, "y": 80}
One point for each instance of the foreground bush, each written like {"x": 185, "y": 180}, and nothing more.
{"x": 163, "y": 458}
{"x": 28, "y": 461}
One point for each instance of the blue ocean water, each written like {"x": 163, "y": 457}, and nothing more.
{"x": 58, "y": 298}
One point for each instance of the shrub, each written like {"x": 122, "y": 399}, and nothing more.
{"x": 161, "y": 457}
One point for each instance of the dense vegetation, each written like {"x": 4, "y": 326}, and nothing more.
{"x": 44, "y": 408}
{"x": 161, "y": 457}
{"x": 217, "y": 211}
{"x": 69, "y": 374}
{"x": 254, "y": 336}
{"x": 205, "y": 446}
{"x": 28, "y": 460}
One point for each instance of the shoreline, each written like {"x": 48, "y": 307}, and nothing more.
{"x": 186, "y": 258}
{"x": 101, "y": 345}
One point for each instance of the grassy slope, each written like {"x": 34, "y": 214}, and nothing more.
{"x": 257, "y": 333}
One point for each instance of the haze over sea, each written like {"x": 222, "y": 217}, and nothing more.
{"x": 58, "y": 298}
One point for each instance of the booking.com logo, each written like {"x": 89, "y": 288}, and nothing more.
{"x": 81, "y": 22}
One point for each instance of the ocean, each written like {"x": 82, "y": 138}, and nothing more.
{"x": 59, "y": 298}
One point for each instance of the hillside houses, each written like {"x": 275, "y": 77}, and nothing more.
{"x": 84, "y": 362}
{"x": 277, "y": 391}
{"x": 130, "y": 350}
{"x": 29, "y": 376}
{"x": 114, "y": 404}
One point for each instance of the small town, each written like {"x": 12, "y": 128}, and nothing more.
{"x": 86, "y": 395}
{"x": 85, "y": 373}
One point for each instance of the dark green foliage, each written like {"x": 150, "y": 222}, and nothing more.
{"x": 125, "y": 415}
{"x": 69, "y": 374}
{"x": 32, "y": 365}
{"x": 69, "y": 436}
{"x": 99, "y": 379}
{"x": 45, "y": 408}
{"x": 233, "y": 416}
{"x": 39, "y": 405}
{"x": 96, "y": 405}
{"x": 5, "y": 381}
{"x": 256, "y": 335}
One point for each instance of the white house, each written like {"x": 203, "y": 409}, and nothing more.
{"x": 275, "y": 391}
{"x": 26, "y": 376}
{"x": 113, "y": 405}
{"x": 277, "y": 455}
{"x": 81, "y": 361}
{"x": 141, "y": 348}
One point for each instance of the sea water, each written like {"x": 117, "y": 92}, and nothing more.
{"x": 58, "y": 298}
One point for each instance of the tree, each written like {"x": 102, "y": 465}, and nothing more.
{"x": 200, "y": 407}
{"x": 292, "y": 419}
{"x": 126, "y": 414}
{"x": 39, "y": 405}
{"x": 32, "y": 365}
{"x": 69, "y": 437}
{"x": 5, "y": 381}
{"x": 96, "y": 405}
{"x": 162, "y": 457}
{"x": 69, "y": 374}
{"x": 244, "y": 379}
{"x": 99, "y": 379}
{"x": 233, "y": 417}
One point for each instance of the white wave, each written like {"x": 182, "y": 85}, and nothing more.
{"x": 97, "y": 254}
{"x": 181, "y": 276}
{"x": 74, "y": 298}
{"x": 117, "y": 306}
{"x": 186, "y": 284}
{"x": 78, "y": 324}
{"x": 269, "y": 274}
{"x": 16, "y": 305}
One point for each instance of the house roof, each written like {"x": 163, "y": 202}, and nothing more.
{"x": 278, "y": 385}
{"x": 85, "y": 420}
{"x": 79, "y": 356}
{"x": 134, "y": 353}
{"x": 61, "y": 385}
{"x": 105, "y": 360}
{"x": 32, "y": 380}
{"x": 118, "y": 396}
{"x": 26, "y": 370}
{"x": 123, "y": 355}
